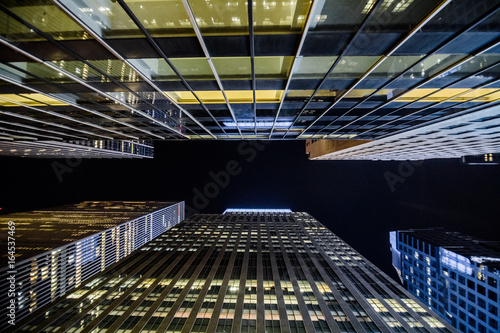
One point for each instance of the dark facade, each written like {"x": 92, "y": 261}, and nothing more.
{"x": 243, "y": 271}
{"x": 484, "y": 159}
{"x": 339, "y": 69}
{"x": 53, "y": 251}
{"x": 456, "y": 275}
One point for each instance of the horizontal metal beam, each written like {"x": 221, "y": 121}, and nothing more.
{"x": 19, "y": 137}
{"x": 36, "y": 128}
{"x": 30, "y": 133}
{"x": 53, "y": 124}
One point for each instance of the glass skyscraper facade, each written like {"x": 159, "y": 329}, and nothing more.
{"x": 242, "y": 271}
{"x": 179, "y": 69}
{"x": 57, "y": 249}
{"x": 456, "y": 275}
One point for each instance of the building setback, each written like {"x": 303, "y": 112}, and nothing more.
{"x": 456, "y": 275}
{"x": 242, "y": 271}
{"x": 57, "y": 249}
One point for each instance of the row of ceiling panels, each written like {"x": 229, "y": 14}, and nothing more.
{"x": 220, "y": 70}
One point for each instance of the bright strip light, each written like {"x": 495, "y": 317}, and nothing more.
{"x": 258, "y": 124}
{"x": 256, "y": 210}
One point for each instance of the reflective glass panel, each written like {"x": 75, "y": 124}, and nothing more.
{"x": 400, "y": 13}
{"x": 280, "y": 16}
{"x": 105, "y": 17}
{"x": 157, "y": 69}
{"x": 163, "y": 18}
{"x": 193, "y": 68}
{"x": 11, "y": 29}
{"x": 432, "y": 65}
{"x": 353, "y": 66}
{"x": 233, "y": 68}
{"x": 394, "y": 65}
{"x": 313, "y": 67}
{"x": 272, "y": 67}
{"x": 338, "y": 15}
{"x": 48, "y": 18}
{"x": 215, "y": 16}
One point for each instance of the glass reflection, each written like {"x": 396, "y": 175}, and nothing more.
{"x": 233, "y": 67}
{"x": 163, "y": 18}
{"x": 313, "y": 67}
{"x": 280, "y": 16}
{"x": 44, "y": 16}
{"x": 213, "y": 16}
{"x": 272, "y": 67}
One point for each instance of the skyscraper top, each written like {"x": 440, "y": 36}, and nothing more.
{"x": 255, "y": 210}
{"x": 473, "y": 248}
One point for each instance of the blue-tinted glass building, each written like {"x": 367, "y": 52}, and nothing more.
{"x": 456, "y": 275}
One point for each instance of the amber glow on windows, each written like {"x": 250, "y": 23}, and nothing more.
{"x": 377, "y": 305}
{"x": 413, "y": 305}
{"x": 395, "y": 305}
{"x": 443, "y": 94}
{"x": 233, "y": 96}
{"x": 433, "y": 322}
{"x": 28, "y": 99}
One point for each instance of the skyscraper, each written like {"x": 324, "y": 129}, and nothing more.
{"x": 214, "y": 69}
{"x": 456, "y": 275}
{"x": 242, "y": 271}
{"x": 52, "y": 251}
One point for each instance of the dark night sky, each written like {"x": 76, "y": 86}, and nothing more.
{"x": 352, "y": 198}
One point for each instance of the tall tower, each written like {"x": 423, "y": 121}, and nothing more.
{"x": 52, "y": 251}
{"x": 242, "y": 271}
{"x": 456, "y": 275}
